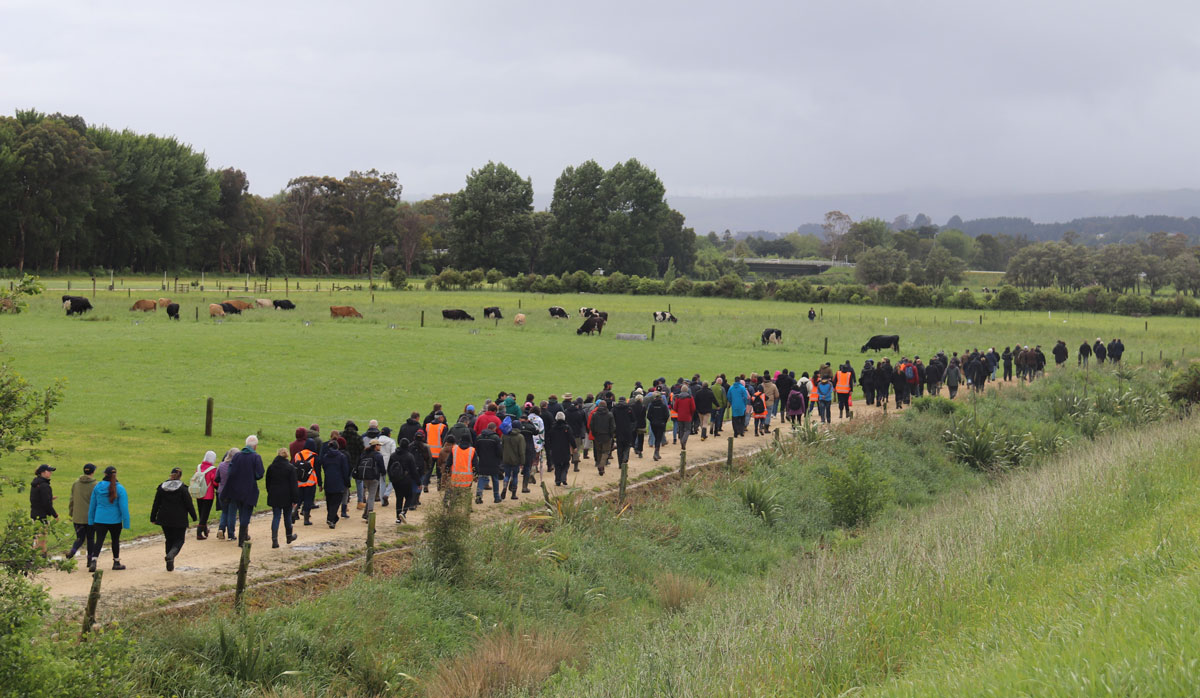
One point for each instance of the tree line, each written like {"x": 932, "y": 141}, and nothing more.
{"x": 87, "y": 198}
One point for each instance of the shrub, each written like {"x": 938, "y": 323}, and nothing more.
{"x": 493, "y": 276}
{"x": 856, "y": 491}
{"x": 965, "y": 299}
{"x": 507, "y": 661}
{"x": 762, "y": 499}
{"x": 729, "y": 286}
{"x": 547, "y": 284}
{"x": 398, "y": 278}
{"x": 1048, "y": 299}
{"x": 676, "y": 591}
{"x": 789, "y": 291}
{"x": 449, "y": 279}
{"x": 1185, "y": 386}
{"x": 1131, "y": 304}
{"x": 649, "y": 287}
{"x": 935, "y": 404}
{"x": 1093, "y": 299}
{"x": 617, "y": 283}
{"x": 447, "y": 532}
{"x": 911, "y": 295}
{"x": 680, "y": 287}
{"x": 758, "y": 290}
{"x": 702, "y": 289}
{"x": 1007, "y": 298}
{"x": 886, "y": 294}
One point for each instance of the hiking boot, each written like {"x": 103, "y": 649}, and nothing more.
{"x": 291, "y": 537}
{"x": 478, "y": 499}
{"x": 91, "y": 565}
{"x": 170, "y": 563}
{"x": 307, "y": 520}
{"x": 274, "y": 540}
{"x": 220, "y": 535}
{"x": 117, "y": 565}
{"x": 576, "y": 467}
{"x": 385, "y": 501}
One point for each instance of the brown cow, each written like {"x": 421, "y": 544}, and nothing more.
{"x": 144, "y": 305}
{"x": 215, "y": 310}
{"x": 164, "y": 302}
{"x": 519, "y": 320}
{"x": 265, "y": 303}
{"x": 343, "y": 311}
{"x": 240, "y": 304}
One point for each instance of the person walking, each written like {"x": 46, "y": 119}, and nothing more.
{"x": 308, "y": 482}
{"x": 825, "y": 399}
{"x": 1007, "y": 359}
{"x": 685, "y": 408}
{"x": 758, "y": 411}
{"x": 81, "y": 498}
{"x": 387, "y": 447}
{"x": 203, "y": 490}
{"x": 638, "y": 410}
{"x": 658, "y": 414}
{"x": 367, "y": 472}
{"x": 171, "y": 508}
{"x": 954, "y": 376}
{"x": 577, "y": 422}
{"x": 108, "y": 514}
{"x": 489, "y": 450}
{"x": 512, "y": 455}
{"x": 1100, "y": 351}
{"x": 770, "y": 400}
{"x": 560, "y": 446}
{"x": 336, "y": 470}
{"x": 1060, "y": 353}
{"x": 241, "y": 492}
{"x": 1085, "y": 353}
{"x": 623, "y": 432}
{"x": 703, "y": 397}
{"x": 405, "y": 477}
{"x": 283, "y": 494}
{"x": 601, "y": 427}
{"x": 720, "y": 403}
{"x": 41, "y": 502}
{"x": 228, "y": 517}
{"x": 843, "y": 384}
{"x": 739, "y": 400}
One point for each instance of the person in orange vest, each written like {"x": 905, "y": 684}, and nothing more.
{"x": 308, "y": 476}
{"x": 813, "y": 392}
{"x": 842, "y": 385}
{"x": 460, "y": 464}
{"x": 435, "y": 435}
{"x": 758, "y": 406}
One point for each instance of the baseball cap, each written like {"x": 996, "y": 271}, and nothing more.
{"x": 89, "y": 468}
{"x": 43, "y": 468}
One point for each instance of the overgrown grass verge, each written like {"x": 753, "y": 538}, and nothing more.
{"x": 610, "y": 584}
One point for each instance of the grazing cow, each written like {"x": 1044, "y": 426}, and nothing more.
{"x": 882, "y": 341}
{"x": 519, "y": 320}
{"x": 263, "y": 302}
{"x": 76, "y": 305}
{"x": 664, "y": 316}
{"x": 215, "y": 310}
{"x": 284, "y": 305}
{"x": 559, "y": 311}
{"x": 456, "y": 315}
{"x": 173, "y": 311}
{"x": 492, "y": 312}
{"x": 231, "y": 309}
{"x": 600, "y": 314}
{"x": 144, "y": 305}
{"x": 585, "y": 312}
{"x": 772, "y": 335}
{"x": 164, "y": 302}
{"x": 343, "y": 311}
{"x": 592, "y": 324}
{"x": 240, "y": 304}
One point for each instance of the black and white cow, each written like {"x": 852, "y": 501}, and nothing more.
{"x": 772, "y": 336}
{"x": 586, "y": 312}
{"x": 76, "y": 305}
{"x": 559, "y": 311}
{"x": 284, "y": 305}
{"x": 492, "y": 312}
{"x": 456, "y": 315}
{"x": 664, "y": 316}
{"x": 594, "y": 323}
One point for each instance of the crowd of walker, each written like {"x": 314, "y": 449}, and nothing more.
{"x": 506, "y": 444}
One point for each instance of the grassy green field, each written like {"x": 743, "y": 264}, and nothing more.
{"x": 136, "y": 383}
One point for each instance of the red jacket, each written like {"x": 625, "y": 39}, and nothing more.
{"x": 685, "y": 407}
{"x": 482, "y": 422}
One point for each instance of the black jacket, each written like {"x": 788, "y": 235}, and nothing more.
{"x": 408, "y": 430}
{"x": 403, "y": 470}
{"x": 577, "y": 420}
{"x": 337, "y": 471}
{"x": 1060, "y": 352}
{"x": 703, "y": 398}
{"x": 658, "y": 414}
{"x": 354, "y": 445}
{"x": 638, "y": 410}
{"x": 622, "y": 415}
{"x": 463, "y": 436}
{"x": 559, "y": 443}
{"x": 1100, "y": 350}
{"x": 552, "y": 410}
{"x": 280, "y": 481}
{"x": 172, "y": 505}
{"x": 41, "y": 499}
{"x": 488, "y": 450}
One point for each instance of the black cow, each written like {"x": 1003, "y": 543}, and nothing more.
{"x": 772, "y": 335}
{"x": 284, "y": 305}
{"x": 664, "y": 316}
{"x": 456, "y": 315}
{"x": 231, "y": 309}
{"x": 76, "y": 305}
{"x": 492, "y": 313}
{"x": 592, "y": 324}
{"x": 882, "y": 341}
{"x": 173, "y": 311}
{"x": 559, "y": 311}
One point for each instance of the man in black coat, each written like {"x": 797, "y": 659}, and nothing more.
{"x": 353, "y": 451}
{"x": 622, "y": 414}
{"x": 283, "y": 494}
{"x": 337, "y": 481}
{"x": 1085, "y": 353}
{"x": 637, "y": 408}
{"x": 1060, "y": 353}
{"x": 577, "y": 421}
{"x": 490, "y": 464}
{"x": 405, "y": 476}
{"x": 703, "y": 397}
{"x": 171, "y": 509}
{"x": 41, "y": 495}
{"x": 1100, "y": 351}
{"x": 658, "y": 414}
{"x": 409, "y": 429}
{"x": 883, "y": 382}
{"x": 560, "y": 444}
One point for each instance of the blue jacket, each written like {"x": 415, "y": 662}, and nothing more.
{"x": 241, "y": 481}
{"x": 739, "y": 397}
{"x": 337, "y": 471}
{"x": 825, "y": 391}
{"x": 102, "y": 511}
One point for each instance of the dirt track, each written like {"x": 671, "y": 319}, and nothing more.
{"x": 212, "y": 564}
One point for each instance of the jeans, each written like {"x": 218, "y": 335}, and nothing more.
{"x": 333, "y": 501}
{"x": 683, "y": 438}
{"x": 385, "y": 488}
{"x": 308, "y": 496}
{"x": 495, "y": 482}
{"x": 560, "y": 471}
{"x": 511, "y": 475}
{"x": 823, "y": 410}
{"x": 739, "y": 424}
{"x": 284, "y": 513}
{"x": 226, "y": 522}
{"x": 370, "y": 489}
{"x": 718, "y": 420}
{"x": 84, "y": 537}
{"x": 358, "y": 488}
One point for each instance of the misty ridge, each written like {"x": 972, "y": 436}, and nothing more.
{"x": 1095, "y": 217}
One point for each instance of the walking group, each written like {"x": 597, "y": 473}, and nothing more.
{"x": 506, "y": 445}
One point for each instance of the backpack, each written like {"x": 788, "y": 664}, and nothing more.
{"x": 909, "y": 372}
{"x": 198, "y": 485}
{"x": 304, "y": 465}
{"x": 795, "y": 401}
{"x": 366, "y": 467}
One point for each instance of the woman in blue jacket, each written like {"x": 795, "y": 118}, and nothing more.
{"x": 108, "y": 513}
{"x": 739, "y": 398}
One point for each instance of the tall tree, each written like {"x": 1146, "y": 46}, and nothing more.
{"x": 412, "y": 233}
{"x": 678, "y": 244}
{"x": 579, "y": 211}
{"x": 492, "y": 220}
{"x": 370, "y": 200}
{"x": 836, "y": 225}
{"x": 637, "y": 212}
{"x": 308, "y": 209}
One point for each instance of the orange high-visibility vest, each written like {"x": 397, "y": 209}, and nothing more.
{"x": 305, "y": 454}
{"x": 843, "y": 382}
{"x": 433, "y": 437}
{"x": 813, "y": 395}
{"x": 460, "y": 466}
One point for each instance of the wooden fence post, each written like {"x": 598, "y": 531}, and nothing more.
{"x": 208, "y": 415}
{"x": 422, "y": 318}
{"x": 243, "y": 567}
{"x": 89, "y": 613}
{"x": 369, "y": 565}
{"x": 826, "y": 345}
{"x": 652, "y": 333}
{"x": 624, "y": 481}
{"x": 682, "y": 465}
{"x": 729, "y": 455}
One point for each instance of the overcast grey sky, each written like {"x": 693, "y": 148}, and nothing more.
{"x": 722, "y": 99}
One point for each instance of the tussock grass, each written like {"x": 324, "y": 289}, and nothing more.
{"x": 504, "y": 660}
{"x": 676, "y": 590}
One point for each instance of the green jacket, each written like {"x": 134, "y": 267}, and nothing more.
{"x": 512, "y": 448}
{"x": 81, "y": 498}
{"x": 719, "y": 400}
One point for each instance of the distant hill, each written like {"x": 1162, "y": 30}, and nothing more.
{"x": 1036, "y": 215}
